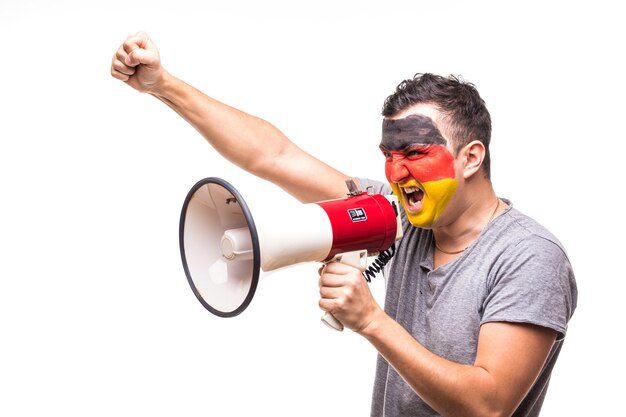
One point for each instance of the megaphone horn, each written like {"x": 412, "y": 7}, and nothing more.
{"x": 223, "y": 249}
{"x": 211, "y": 207}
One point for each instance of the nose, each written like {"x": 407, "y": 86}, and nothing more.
{"x": 397, "y": 171}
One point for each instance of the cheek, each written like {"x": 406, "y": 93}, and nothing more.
{"x": 388, "y": 170}
{"x": 438, "y": 165}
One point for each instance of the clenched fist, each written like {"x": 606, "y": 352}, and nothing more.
{"x": 137, "y": 63}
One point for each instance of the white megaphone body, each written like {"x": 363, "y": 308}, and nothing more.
{"x": 223, "y": 248}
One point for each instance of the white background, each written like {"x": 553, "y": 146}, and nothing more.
{"x": 97, "y": 318}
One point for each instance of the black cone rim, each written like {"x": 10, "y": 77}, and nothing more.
{"x": 256, "y": 262}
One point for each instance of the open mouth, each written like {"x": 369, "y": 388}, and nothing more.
{"x": 413, "y": 197}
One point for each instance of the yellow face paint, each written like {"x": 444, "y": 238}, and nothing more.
{"x": 437, "y": 195}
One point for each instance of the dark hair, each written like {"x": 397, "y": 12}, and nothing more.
{"x": 465, "y": 115}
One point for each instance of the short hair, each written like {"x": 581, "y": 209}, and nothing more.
{"x": 464, "y": 114}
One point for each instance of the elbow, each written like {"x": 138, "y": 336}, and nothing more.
{"x": 269, "y": 163}
{"x": 495, "y": 413}
{"x": 487, "y": 403}
{"x": 485, "y": 410}
{"x": 490, "y": 398}
{"x": 492, "y": 407}
{"x": 478, "y": 407}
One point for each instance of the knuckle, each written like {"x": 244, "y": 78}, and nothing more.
{"x": 349, "y": 294}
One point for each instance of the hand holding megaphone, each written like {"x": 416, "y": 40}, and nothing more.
{"x": 356, "y": 259}
{"x": 223, "y": 248}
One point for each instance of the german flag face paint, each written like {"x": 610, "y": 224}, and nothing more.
{"x": 419, "y": 167}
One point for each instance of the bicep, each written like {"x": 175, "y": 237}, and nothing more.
{"x": 513, "y": 354}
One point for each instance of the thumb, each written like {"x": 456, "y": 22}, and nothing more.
{"x": 142, "y": 56}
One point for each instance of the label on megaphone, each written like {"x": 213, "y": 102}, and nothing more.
{"x": 363, "y": 222}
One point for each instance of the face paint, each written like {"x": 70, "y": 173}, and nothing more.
{"x": 419, "y": 167}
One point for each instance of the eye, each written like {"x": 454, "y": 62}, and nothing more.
{"x": 386, "y": 154}
{"x": 415, "y": 153}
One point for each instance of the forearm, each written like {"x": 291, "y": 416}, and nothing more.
{"x": 450, "y": 388}
{"x": 252, "y": 143}
{"x": 239, "y": 137}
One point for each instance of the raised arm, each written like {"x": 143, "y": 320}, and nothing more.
{"x": 247, "y": 141}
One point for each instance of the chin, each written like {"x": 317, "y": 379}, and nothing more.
{"x": 435, "y": 198}
{"x": 421, "y": 220}
{"x": 420, "y": 224}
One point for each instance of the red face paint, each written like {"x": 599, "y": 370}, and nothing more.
{"x": 423, "y": 163}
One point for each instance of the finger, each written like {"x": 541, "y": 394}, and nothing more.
{"x": 142, "y": 56}
{"x": 332, "y": 280}
{"x": 121, "y": 68}
{"x": 339, "y": 268}
{"x": 119, "y": 75}
{"x": 327, "y": 305}
{"x": 332, "y": 293}
{"x": 138, "y": 40}
{"x": 120, "y": 55}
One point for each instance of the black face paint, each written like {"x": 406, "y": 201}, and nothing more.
{"x": 414, "y": 129}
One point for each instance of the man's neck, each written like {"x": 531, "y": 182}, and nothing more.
{"x": 469, "y": 220}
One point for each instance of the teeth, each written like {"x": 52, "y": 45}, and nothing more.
{"x": 410, "y": 190}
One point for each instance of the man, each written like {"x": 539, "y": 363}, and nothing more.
{"x": 479, "y": 295}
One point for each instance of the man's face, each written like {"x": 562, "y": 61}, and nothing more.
{"x": 419, "y": 167}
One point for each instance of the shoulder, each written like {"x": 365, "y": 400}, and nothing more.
{"x": 374, "y": 186}
{"x": 531, "y": 278}
{"x": 516, "y": 231}
{"x": 522, "y": 244}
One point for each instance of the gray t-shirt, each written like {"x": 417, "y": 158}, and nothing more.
{"x": 516, "y": 271}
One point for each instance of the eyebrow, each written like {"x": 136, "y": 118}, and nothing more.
{"x": 409, "y": 148}
{"x": 415, "y": 129}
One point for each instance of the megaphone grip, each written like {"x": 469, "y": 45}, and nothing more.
{"x": 356, "y": 259}
{"x": 332, "y": 322}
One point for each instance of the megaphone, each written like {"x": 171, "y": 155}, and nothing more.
{"x": 223, "y": 248}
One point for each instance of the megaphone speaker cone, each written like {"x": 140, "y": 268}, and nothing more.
{"x": 213, "y": 207}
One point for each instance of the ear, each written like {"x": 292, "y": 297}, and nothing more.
{"x": 473, "y": 156}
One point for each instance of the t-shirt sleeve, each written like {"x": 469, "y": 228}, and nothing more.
{"x": 376, "y": 187}
{"x": 533, "y": 283}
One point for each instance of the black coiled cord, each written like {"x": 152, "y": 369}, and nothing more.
{"x": 379, "y": 263}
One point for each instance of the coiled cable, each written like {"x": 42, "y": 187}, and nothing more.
{"x": 379, "y": 263}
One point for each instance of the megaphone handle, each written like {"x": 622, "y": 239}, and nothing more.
{"x": 357, "y": 259}
{"x": 332, "y": 322}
